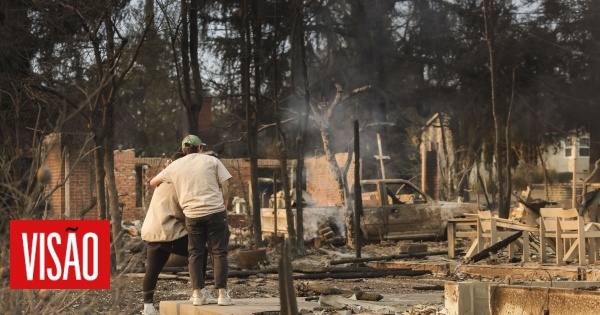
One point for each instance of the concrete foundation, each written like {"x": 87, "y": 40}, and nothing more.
{"x": 524, "y": 272}
{"x": 462, "y": 298}
{"x": 478, "y": 298}
{"x": 536, "y": 300}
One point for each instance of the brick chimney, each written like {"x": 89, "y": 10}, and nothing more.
{"x": 205, "y": 121}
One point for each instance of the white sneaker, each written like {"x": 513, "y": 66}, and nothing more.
{"x": 197, "y": 301}
{"x": 225, "y": 300}
{"x": 150, "y": 311}
{"x": 208, "y": 297}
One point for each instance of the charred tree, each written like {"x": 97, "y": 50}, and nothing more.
{"x": 283, "y": 154}
{"x": 503, "y": 199}
{"x": 300, "y": 86}
{"x": 251, "y": 119}
{"x": 190, "y": 88}
{"x": 322, "y": 114}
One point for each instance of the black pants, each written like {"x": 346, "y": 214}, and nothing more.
{"x": 213, "y": 229}
{"x": 157, "y": 255}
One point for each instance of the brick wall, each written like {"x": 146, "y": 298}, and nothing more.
{"x": 205, "y": 121}
{"x": 320, "y": 180}
{"x": 63, "y": 157}
{"x": 240, "y": 175}
{"x": 125, "y": 178}
{"x": 81, "y": 184}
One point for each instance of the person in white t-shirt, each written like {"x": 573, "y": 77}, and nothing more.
{"x": 201, "y": 183}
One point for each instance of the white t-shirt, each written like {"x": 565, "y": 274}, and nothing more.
{"x": 165, "y": 220}
{"x": 197, "y": 179}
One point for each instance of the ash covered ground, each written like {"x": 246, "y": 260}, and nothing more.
{"x": 125, "y": 295}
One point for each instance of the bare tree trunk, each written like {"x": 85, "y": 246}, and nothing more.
{"x": 116, "y": 216}
{"x": 100, "y": 174}
{"x": 283, "y": 153}
{"x": 109, "y": 151}
{"x": 449, "y": 169}
{"x": 508, "y": 146}
{"x": 583, "y": 208}
{"x": 300, "y": 73}
{"x": 195, "y": 102}
{"x": 256, "y": 26}
{"x": 539, "y": 152}
{"x": 358, "y": 208}
{"x": 251, "y": 124}
{"x": 594, "y": 151}
{"x": 192, "y": 98}
{"x": 322, "y": 114}
{"x": 488, "y": 10}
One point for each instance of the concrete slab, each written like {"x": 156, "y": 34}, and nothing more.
{"x": 241, "y": 307}
{"x": 253, "y": 306}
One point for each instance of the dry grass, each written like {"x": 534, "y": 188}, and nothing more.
{"x": 124, "y": 297}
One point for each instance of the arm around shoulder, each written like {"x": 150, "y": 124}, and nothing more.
{"x": 155, "y": 181}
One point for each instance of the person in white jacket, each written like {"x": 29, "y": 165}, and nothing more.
{"x": 165, "y": 234}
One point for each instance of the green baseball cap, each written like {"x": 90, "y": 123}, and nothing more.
{"x": 192, "y": 141}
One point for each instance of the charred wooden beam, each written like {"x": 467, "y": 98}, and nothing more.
{"x": 362, "y": 275}
{"x": 287, "y": 294}
{"x": 171, "y": 270}
{"x": 495, "y": 247}
{"x": 248, "y": 273}
{"x": 391, "y": 257}
{"x": 429, "y": 288}
{"x": 320, "y": 269}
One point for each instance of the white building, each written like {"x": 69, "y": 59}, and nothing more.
{"x": 573, "y": 153}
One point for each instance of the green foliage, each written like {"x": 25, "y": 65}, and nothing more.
{"x": 525, "y": 176}
{"x": 150, "y": 118}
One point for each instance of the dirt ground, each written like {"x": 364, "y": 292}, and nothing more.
{"x": 125, "y": 295}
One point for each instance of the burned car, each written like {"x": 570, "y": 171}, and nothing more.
{"x": 395, "y": 209}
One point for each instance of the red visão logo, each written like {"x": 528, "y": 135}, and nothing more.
{"x": 60, "y": 254}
